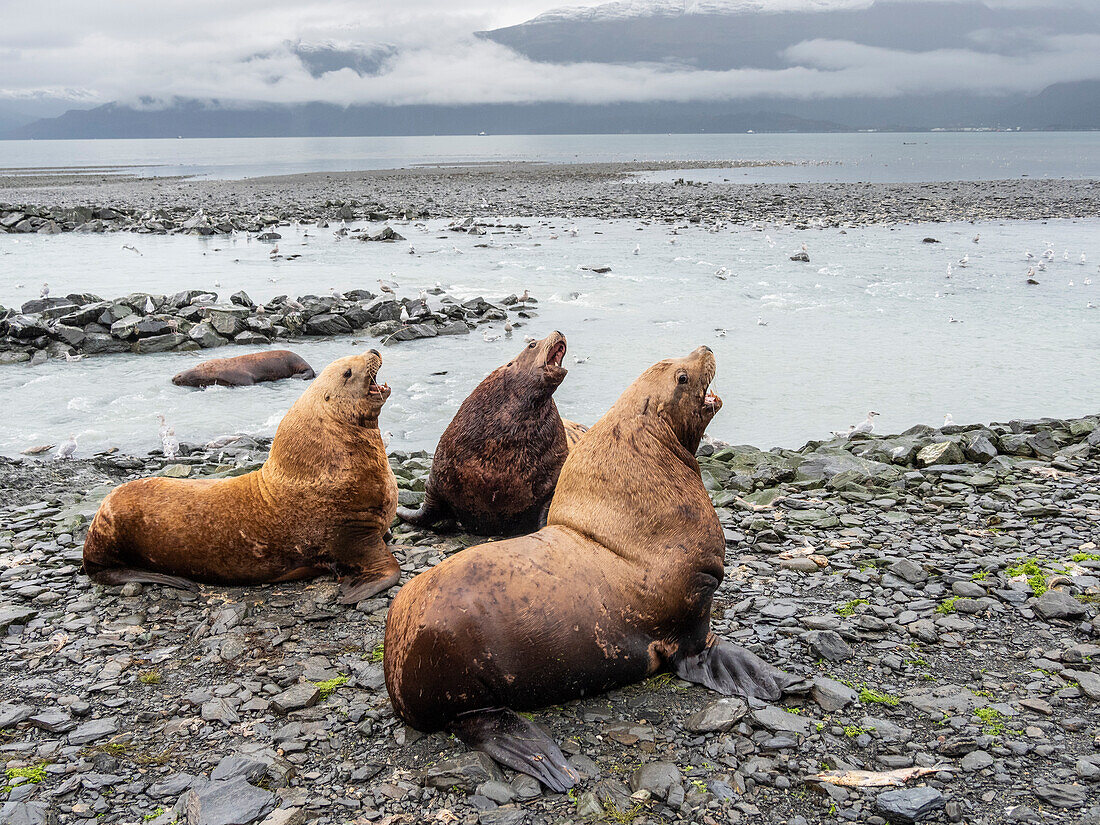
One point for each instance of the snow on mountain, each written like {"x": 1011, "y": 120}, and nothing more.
{"x": 626, "y": 9}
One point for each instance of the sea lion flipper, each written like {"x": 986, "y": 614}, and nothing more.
{"x": 355, "y": 590}
{"x": 734, "y": 671}
{"x": 431, "y": 512}
{"x": 518, "y": 744}
{"x": 122, "y": 575}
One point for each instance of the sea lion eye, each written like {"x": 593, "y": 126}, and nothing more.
{"x": 531, "y": 345}
{"x": 347, "y": 373}
{"x": 682, "y": 378}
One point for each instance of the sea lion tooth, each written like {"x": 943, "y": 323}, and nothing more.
{"x": 616, "y": 587}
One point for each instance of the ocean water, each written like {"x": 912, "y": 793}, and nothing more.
{"x": 872, "y": 157}
{"x": 802, "y": 349}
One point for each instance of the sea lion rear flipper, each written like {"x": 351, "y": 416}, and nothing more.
{"x": 432, "y": 511}
{"x": 734, "y": 671}
{"x": 517, "y": 744}
{"x": 122, "y": 575}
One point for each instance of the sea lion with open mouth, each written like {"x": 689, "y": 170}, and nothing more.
{"x": 497, "y": 462}
{"x": 322, "y": 502}
{"x": 615, "y": 588}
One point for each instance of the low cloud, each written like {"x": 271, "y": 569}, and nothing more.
{"x": 249, "y": 51}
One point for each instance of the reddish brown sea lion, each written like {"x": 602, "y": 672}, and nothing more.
{"x": 497, "y": 462}
{"x": 321, "y": 503}
{"x": 245, "y": 370}
{"x": 616, "y": 587}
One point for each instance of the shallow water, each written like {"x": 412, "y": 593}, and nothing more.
{"x": 878, "y": 157}
{"x": 865, "y": 325}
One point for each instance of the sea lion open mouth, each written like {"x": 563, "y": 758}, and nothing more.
{"x": 556, "y": 354}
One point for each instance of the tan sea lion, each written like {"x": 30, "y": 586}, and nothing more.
{"x": 615, "y": 588}
{"x": 245, "y": 370}
{"x": 321, "y": 503}
{"x": 497, "y": 462}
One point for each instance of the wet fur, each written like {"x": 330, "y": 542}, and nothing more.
{"x": 617, "y": 586}
{"x": 321, "y": 502}
{"x": 497, "y": 463}
{"x": 246, "y": 370}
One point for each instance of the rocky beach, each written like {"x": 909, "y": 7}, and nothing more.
{"x": 935, "y": 592}
{"x": 53, "y": 203}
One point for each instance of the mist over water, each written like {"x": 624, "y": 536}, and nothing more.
{"x": 864, "y": 325}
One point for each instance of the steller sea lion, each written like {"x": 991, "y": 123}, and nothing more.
{"x": 245, "y": 370}
{"x": 321, "y": 502}
{"x": 615, "y": 588}
{"x": 497, "y": 462}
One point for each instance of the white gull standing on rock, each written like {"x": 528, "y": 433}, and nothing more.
{"x": 170, "y": 444}
{"x": 67, "y": 449}
{"x": 867, "y": 425}
{"x": 45, "y": 293}
{"x": 948, "y": 421}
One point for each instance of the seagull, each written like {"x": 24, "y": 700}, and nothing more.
{"x": 339, "y": 296}
{"x": 45, "y": 293}
{"x": 387, "y": 437}
{"x": 218, "y": 284}
{"x": 578, "y": 360}
{"x": 760, "y": 322}
{"x": 1065, "y": 255}
{"x": 131, "y": 248}
{"x": 508, "y": 327}
{"x": 953, "y": 320}
{"x": 404, "y": 314}
{"x": 164, "y": 428}
{"x": 948, "y": 421}
{"x": 1031, "y": 276}
{"x": 412, "y": 250}
{"x": 293, "y": 303}
{"x": 524, "y": 298}
{"x": 977, "y": 237}
{"x": 150, "y": 307}
{"x": 949, "y": 269}
{"x": 1028, "y": 255}
{"x": 721, "y": 332}
{"x": 637, "y": 249}
{"x": 964, "y": 260}
{"x": 274, "y": 253}
{"x": 170, "y": 444}
{"x": 69, "y": 356}
{"x": 1088, "y": 281}
{"x": 67, "y": 449}
{"x": 489, "y": 336}
{"x": 867, "y": 425}
{"x": 844, "y": 433}
{"x": 721, "y": 273}
{"x": 1082, "y": 259}
{"x": 261, "y": 310}
{"x": 382, "y": 285}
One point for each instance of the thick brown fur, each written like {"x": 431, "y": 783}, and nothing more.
{"x": 246, "y": 370}
{"x": 498, "y": 461}
{"x": 322, "y": 502}
{"x": 616, "y": 585}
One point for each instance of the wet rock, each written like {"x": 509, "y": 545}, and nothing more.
{"x": 720, "y": 715}
{"x": 466, "y": 771}
{"x": 1057, "y": 604}
{"x": 232, "y": 802}
{"x": 660, "y": 779}
{"x": 828, "y": 644}
{"x": 1060, "y": 794}
{"x": 302, "y": 695}
{"x": 908, "y": 805}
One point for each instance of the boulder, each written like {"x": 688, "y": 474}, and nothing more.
{"x": 943, "y": 452}
{"x": 327, "y": 324}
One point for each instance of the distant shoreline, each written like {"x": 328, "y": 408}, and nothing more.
{"x": 526, "y": 189}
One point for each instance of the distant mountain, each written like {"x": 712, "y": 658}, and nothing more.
{"x": 734, "y": 35}
{"x": 192, "y": 118}
{"x": 1061, "y": 106}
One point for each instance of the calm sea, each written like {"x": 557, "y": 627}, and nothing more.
{"x": 872, "y": 157}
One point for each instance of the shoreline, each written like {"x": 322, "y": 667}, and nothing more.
{"x": 597, "y": 190}
{"x": 937, "y": 591}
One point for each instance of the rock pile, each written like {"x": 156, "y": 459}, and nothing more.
{"x": 82, "y": 323}
{"x": 942, "y": 619}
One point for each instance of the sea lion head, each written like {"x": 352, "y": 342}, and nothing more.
{"x": 677, "y": 391}
{"x": 541, "y": 359}
{"x": 348, "y": 389}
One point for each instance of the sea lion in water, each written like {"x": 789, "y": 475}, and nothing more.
{"x": 321, "y": 502}
{"x": 497, "y": 462}
{"x": 615, "y": 588}
{"x": 245, "y": 370}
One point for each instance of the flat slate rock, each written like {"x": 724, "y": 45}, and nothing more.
{"x": 909, "y": 805}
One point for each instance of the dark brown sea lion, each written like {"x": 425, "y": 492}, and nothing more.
{"x": 321, "y": 503}
{"x": 497, "y": 462}
{"x": 245, "y": 370}
{"x": 616, "y": 587}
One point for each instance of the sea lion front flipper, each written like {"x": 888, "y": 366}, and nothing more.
{"x": 432, "y": 511}
{"x": 517, "y": 744}
{"x": 354, "y": 589}
{"x": 732, "y": 670}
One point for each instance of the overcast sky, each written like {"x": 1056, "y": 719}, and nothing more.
{"x": 236, "y": 49}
